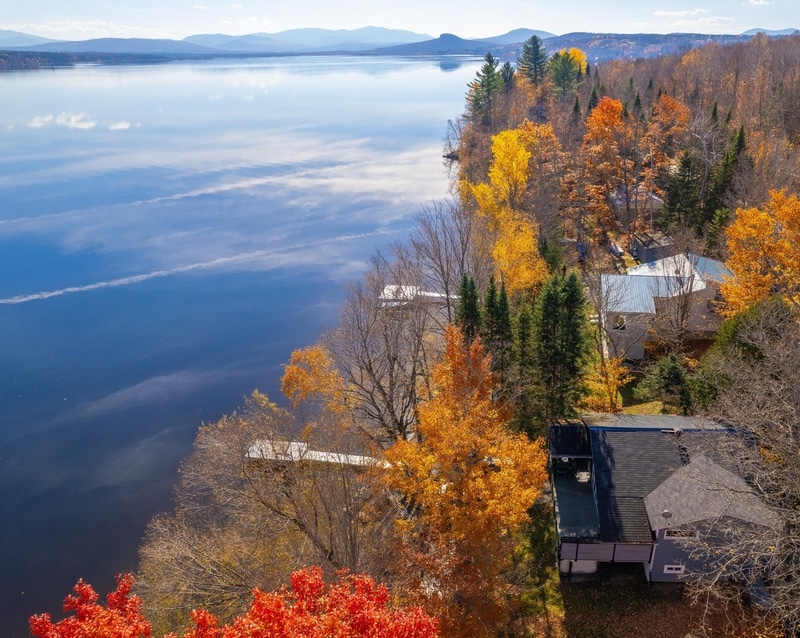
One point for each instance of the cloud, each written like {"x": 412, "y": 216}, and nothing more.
{"x": 688, "y": 20}
{"x": 40, "y": 120}
{"x": 88, "y": 29}
{"x": 75, "y": 121}
{"x": 758, "y": 3}
{"x": 236, "y": 5}
{"x": 680, "y": 14}
{"x": 119, "y": 126}
{"x": 200, "y": 7}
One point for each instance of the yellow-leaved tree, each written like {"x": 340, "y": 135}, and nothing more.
{"x": 516, "y": 236}
{"x": 467, "y": 485}
{"x": 764, "y": 253}
{"x": 312, "y": 375}
{"x": 606, "y": 376}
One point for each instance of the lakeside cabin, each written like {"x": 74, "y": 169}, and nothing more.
{"x": 636, "y": 489}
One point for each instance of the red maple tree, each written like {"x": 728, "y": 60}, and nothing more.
{"x": 120, "y": 618}
{"x": 354, "y": 606}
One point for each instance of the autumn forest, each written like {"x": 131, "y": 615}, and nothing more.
{"x": 402, "y": 489}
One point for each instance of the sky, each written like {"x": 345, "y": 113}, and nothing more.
{"x": 176, "y": 19}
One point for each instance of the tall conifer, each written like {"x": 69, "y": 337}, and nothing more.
{"x": 468, "y": 315}
{"x": 559, "y": 345}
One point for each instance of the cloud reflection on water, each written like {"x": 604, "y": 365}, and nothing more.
{"x": 298, "y": 254}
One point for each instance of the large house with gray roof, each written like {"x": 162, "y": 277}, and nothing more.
{"x": 682, "y": 289}
{"x": 635, "y": 489}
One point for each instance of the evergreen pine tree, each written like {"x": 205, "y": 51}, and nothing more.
{"x": 666, "y": 381}
{"x": 487, "y": 83}
{"x": 497, "y": 331}
{"x": 637, "y": 105}
{"x": 563, "y": 74}
{"x": 532, "y": 62}
{"x": 715, "y": 229}
{"x": 490, "y": 312}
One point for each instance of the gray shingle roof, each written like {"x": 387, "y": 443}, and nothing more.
{"x": 628, "y": 465}
{"x": 702, "y": 490}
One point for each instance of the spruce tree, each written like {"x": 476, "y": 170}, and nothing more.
{"x": 666, "y": 381}
{"x": 497, "y": 331}
{"x": 524, "y": 419}
{"x": 489, "y": 312}
{"x": 594, "y": 100}
{"x": 507, "y": 72}
{"x": 576, "y": 110}
{"x": 559, "y": 345}
{"x": 468, "y": 315}
{"x": 723, "y": 178}
{"x": 682, "y": 206}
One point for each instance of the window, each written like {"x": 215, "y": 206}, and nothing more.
{"x": 682, "y": 534}
{"x": 674, "y": 569}
{"x": 618, "y": 322}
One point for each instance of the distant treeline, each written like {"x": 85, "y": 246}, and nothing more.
{"x": 32, "y": 60}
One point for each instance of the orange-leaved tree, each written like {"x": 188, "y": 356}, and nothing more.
{"x": 312, "y": 374}
{"x": 606, "y": 160}
{"x": 467, "y": 485}
{"x": 764, "y": 253}
{"x": 120, "y": 618}
{"x": 354, "y": 606}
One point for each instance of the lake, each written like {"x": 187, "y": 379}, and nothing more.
{"x": 168, "y": 235}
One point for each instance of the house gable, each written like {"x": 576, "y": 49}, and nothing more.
{"x": 703, "y": 490}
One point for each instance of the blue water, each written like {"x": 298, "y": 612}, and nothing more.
{"x": 168, "y": 235}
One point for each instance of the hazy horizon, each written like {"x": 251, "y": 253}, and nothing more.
{"x": 469, "y": 19}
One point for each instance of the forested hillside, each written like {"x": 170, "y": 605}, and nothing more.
{"x": 412, "y": 445}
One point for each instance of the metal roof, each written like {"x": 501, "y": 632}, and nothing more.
{"x": 630, "y": 295}
{"x": 713, "y": 269}
{"x": 296, "y": 451}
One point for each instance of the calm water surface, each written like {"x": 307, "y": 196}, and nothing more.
{"x": 168, "y": 234}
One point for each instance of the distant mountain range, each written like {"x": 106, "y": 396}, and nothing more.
{"x": 367, "y": 41}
